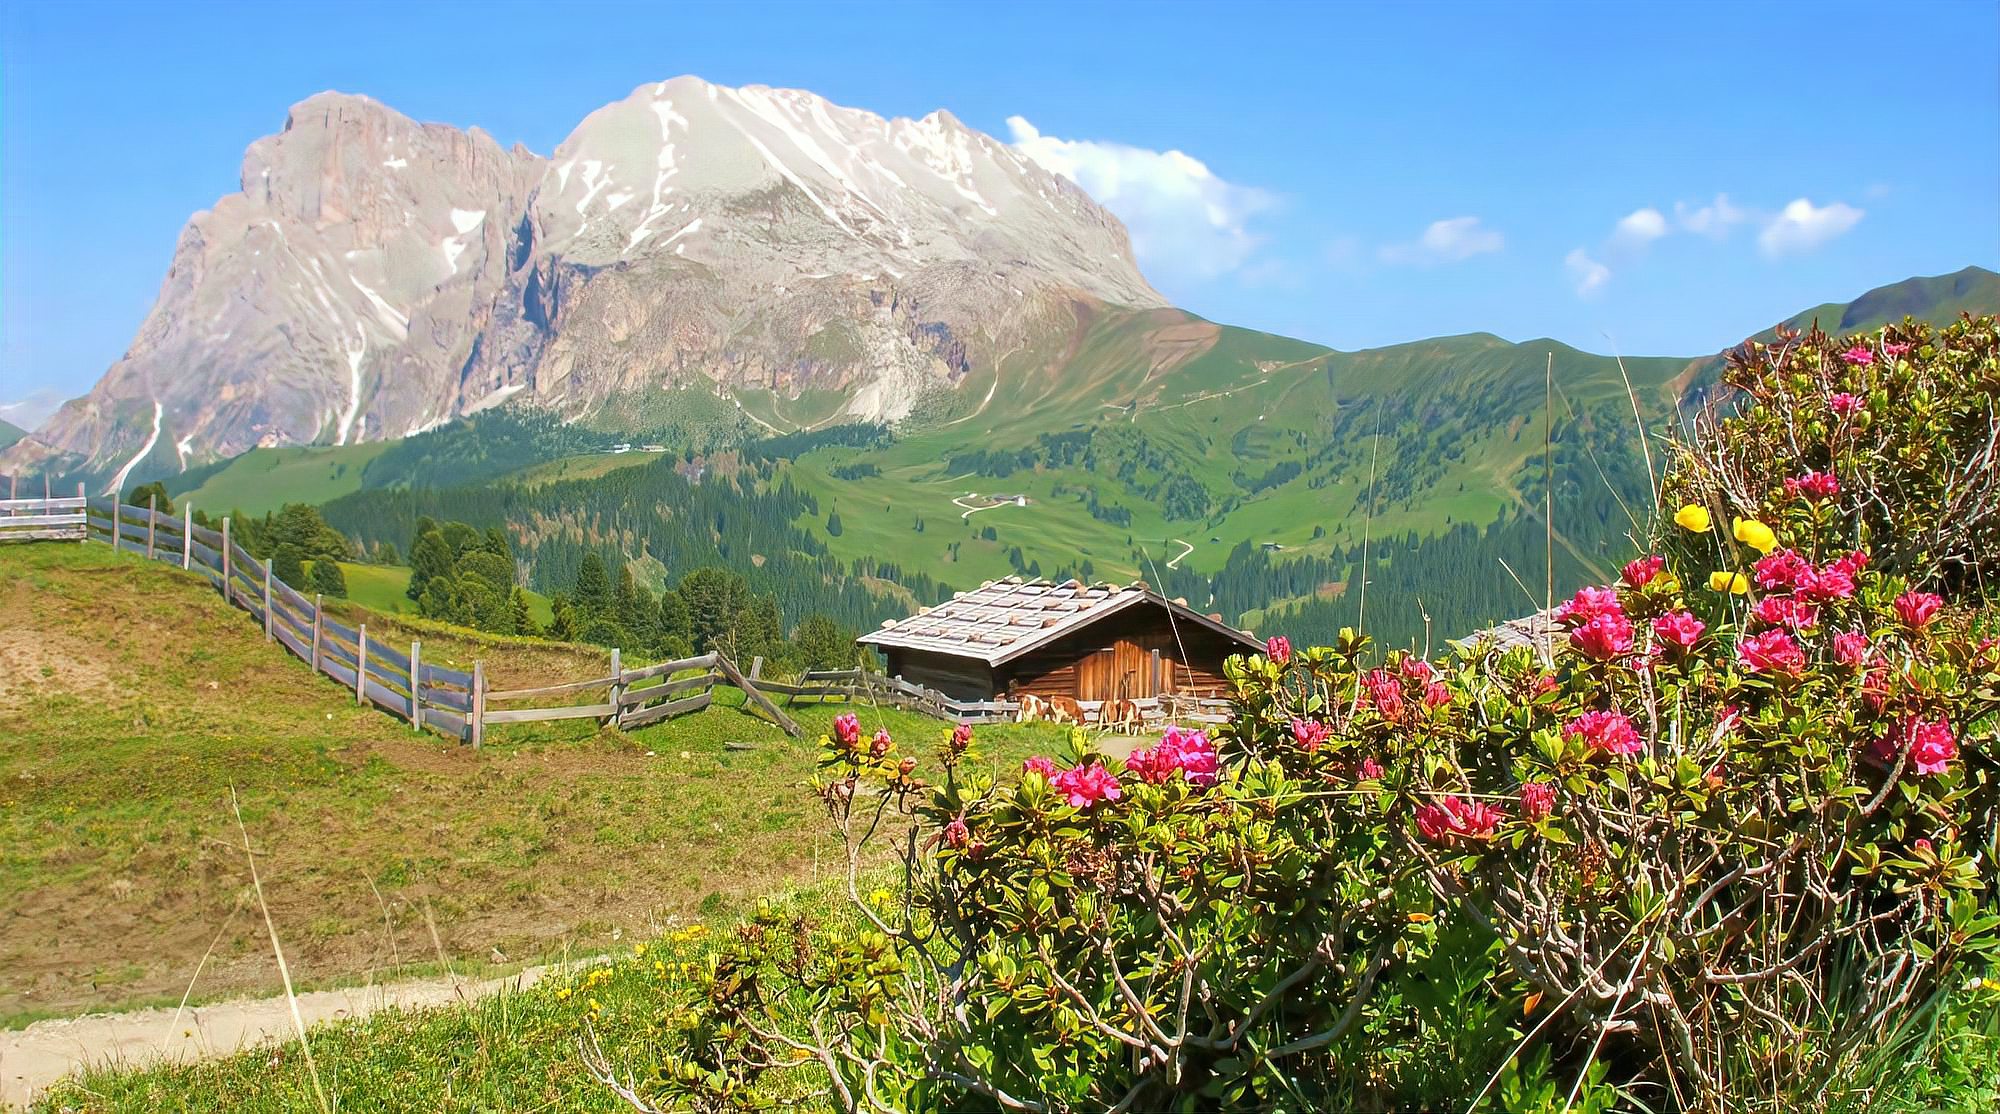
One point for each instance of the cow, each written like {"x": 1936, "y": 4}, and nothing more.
{"x": 1122, "y": 716}
{"x": 1065, "y": 709}
{"x": 1032, "y": 708}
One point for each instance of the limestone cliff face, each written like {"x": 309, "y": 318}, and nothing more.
{"x": 376, "y": 276}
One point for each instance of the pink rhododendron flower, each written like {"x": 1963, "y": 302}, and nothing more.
{"x": 1084, "y": 786}
{"x": 1369, "y": 770}
{"x": 1923, "y": 845}
{"x": 1813, "y": 485}
{"x": 1609, "y": 732}
{"x": 1187, "y": 754}
{"x": 1450, "y": 820}
{"x": 1930, "y": 742}
{"x": 878, "y": 747}
{"x": 1859, "y": 355}
{"x": 1538, "y": 800}
{"x": 1588, "y": 604}
{"x": 1784, "y": 611}
{"x": 1278, "y": 649}
{"x": 1605, "y": 637}
{"x": 1546, "y": 684}
{"x": 1436, "y": 695}
{"x": 1850, "y": 649}
{"x": 1416, "y": 669}
{"x": 1639, "y": 573}
{"x": 1917, "y": 609}
{"x": 1040, "y": 765}
{"x": 961, "y": 736}
{"x": 956, "y": 834}
{"x": 1679, "y": 629}
{"x": 1385, "y": 693}
{"x": 847, "y": 728}
{"x": 1896, "y": 349}
{"x": 1310, "y": 734}
{"x": 1832, "y": 582}
{"x": 1845, "y": 403}
{"x": 1771, "y": 651}
{"x": 1783, "y": 570}
{"x": 1853, "y": 563}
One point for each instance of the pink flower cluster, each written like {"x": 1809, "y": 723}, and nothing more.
{"x": 1451, "y": 820}
{"x": 1278, "y": 649}
{"x": 1679, "y": 629}
{"x": 1850, "y": 648}
{"x": 1639, "y": 573}
{"x": 1538, "y": 800}
{"x": 1310, "y": 734}
{"x": 1896, "y": 349}
{"x": 1187, "y": 754}
{"x": 847, "y": 728}
{"x": 1788, "y": 612}
{"x": 1917, "y": 609}
{"x": 1786, "y": 571}
{"x": 1084, "y": 786}
{"x": 1599, "y": 629}
{"x": 1813, "y": 485}
{"x": 1845, "y": 403}
{"x": 1040, "y": 765}
{"x": 1859, "y": 355}
{"x": 1606, "y": 732}
{"x": 1385, "y": 693}
{"x": 1773, "y": 652}
{"x": 878, "y": 747}
{"x": 1930, "y": 743}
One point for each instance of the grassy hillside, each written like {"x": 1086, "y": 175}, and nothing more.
{"x": 381, "y": 588}
{"x": 132, "y": 701}
{"x": 10, "y": 433}
{"x": 263, "y": 480}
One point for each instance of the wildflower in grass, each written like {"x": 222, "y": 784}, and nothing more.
{"x": 1084, "y": 786}
{"x": 1606, "y": 732}
{"x": 1784, "y": 611}
{"x": 1538, "y": 800}
{"x": 1813, "y": 485}
{"x": 1279, "y": 649}
{"x": 847, "y": 728}
{"x": 1604, "y": 637}
{"x": 1845, "y": 404}
{"x": 1639, "y": 573}
{"x": 1917, "y": 609}
{"x": 1850, "y": 648}
{"x": 1734, "y": 583}
{"x": 961, "y": 738}
{"x": 1859, "y": 356}
{"x": 1040, "y": 765}
{"x": 1310, "y": 734}
{"x": 1692, "y": 518}
{"x": 1930, "y": 743}
{"x": 1679, "y": 629}
{"x": 1451, "y": 820}
{"x": 1755, "y": 534}
{"x": 1773, "y": 652}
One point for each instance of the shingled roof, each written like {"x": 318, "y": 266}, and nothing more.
{"x": 1003, "y": 619}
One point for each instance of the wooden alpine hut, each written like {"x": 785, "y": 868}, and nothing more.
{"x": 1013, "y": 637}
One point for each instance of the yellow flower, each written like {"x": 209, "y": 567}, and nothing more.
{"x": 1728, "y": 582}
{"x": 1692, "y": 518}
{"x": 1756, "y": 535}
{"x": 1666, "y": 582}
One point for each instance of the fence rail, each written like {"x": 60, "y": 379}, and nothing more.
{"x": 458, "y": 704}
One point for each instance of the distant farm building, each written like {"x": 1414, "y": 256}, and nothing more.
{"x": 1088, "y": 642}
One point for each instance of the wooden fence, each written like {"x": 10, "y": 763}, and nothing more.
{"x": 458, "y": 704}
{"x": 450, "y": 701}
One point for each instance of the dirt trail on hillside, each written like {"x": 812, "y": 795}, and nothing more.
{"x": 37, "y": 1057}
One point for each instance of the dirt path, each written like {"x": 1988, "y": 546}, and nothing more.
{"x": 33, "y": 1058}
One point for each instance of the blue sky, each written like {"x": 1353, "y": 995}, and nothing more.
{"x": 1649, "y": 178}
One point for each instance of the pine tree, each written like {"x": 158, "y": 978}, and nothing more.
{"x": 524, "y": 619}
{"x": 156, "y": 490}
{"x": 328, "y": 579}
{"x": 593, "y": 597}
{"x": 288, "y": 566}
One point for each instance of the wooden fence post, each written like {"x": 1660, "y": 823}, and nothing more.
{"x": 617, "y": 687}
{"x": 757, "y": 667}
{"x": 360, "y": 663}
{"x": 267, "y": 600}
{"x": 315, "y": 647}
{"x": 225, "y": 559}
{"x": 476, "y": 717}
{"x": 736, "y": 678}
{"x": 152, "y": 517}
{"x": 416, "y": 685}
{"x": 86, "y": 514}
{"x": 187, "y": 536}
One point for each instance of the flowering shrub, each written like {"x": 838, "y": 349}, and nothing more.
{"x": 1725, "y": 820}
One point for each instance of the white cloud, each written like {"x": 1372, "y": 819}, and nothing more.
{"x": 1639, "y": 228}
{"x": 1183, "y": 218}
{"x": 1588, "y": 274}
{"x": 1713, "y": 220}
{"x": 1803, "y": 226}
{"x": 1446, "y": 241}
